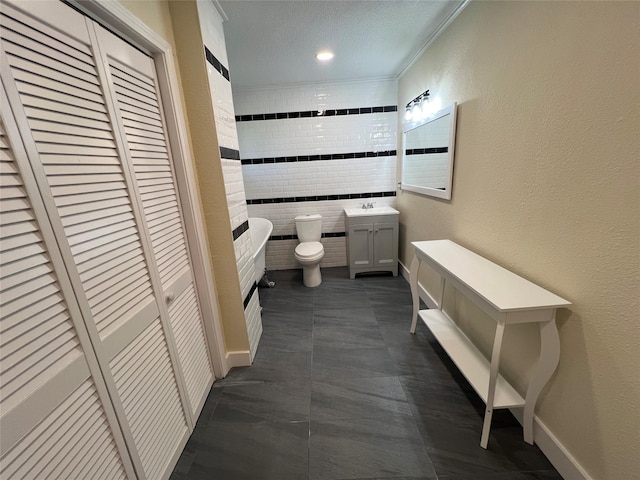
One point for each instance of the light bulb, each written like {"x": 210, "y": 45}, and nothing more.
{"x": 427, "y": 108}
{"x": 415, "y": 112}
{"x": 324, "y": 55}
{"x": 421, "y": 106}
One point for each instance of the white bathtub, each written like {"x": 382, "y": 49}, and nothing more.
{"x": 260, "y": 229}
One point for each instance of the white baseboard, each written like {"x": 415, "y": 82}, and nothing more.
{"x": 240, "y": 358}
{"x": 556, "y": 453}
{"x": 550, "y": 446}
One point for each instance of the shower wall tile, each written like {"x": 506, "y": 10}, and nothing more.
{"x": 254, "y": 322}
{"x": 281, "y": 253}
{"x": 234, "y": 185}
{"x": 212, "y": 30}
{"x": 318, "y": 135}
{"x": 223, "y": 109}
{"x": 330, "y": 177}
{"x": 217, "y": 63}
{"x": 246, "y": 270}
{"x": 282, "y": 215}
{"x": 284, "y": 158}
{"x": 334, "y": 252}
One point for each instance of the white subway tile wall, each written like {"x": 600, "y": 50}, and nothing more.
{"x": 254, "y": 325}
{"x": 320, "y": 177}
{"x": 271, "y": 183}
{"x": 234, "y": 185}
{"x": 318, "y": 135}
{"x": 221, "y": 95}
{"x": 280, "y": 252}
{"x": 282, "y": 214}
{"x": 223, "y": 108}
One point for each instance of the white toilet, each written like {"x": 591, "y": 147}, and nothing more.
{"x": 309, "y": 251}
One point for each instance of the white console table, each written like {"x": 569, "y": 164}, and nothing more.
{"x": 508, "y": 299}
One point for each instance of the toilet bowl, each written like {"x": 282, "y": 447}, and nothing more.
{"x": 309, "y": 251}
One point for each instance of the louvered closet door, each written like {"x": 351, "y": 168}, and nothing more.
{"x": 62, "y": 93}
{"x": 133, "y": 81}
{"x": 56, "y": 419}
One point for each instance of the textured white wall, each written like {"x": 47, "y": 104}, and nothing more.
{"x": 546, "y": 183}
{"x": 213, "y": 36}
{"x": 321, "y": 135}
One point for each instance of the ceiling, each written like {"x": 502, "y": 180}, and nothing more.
{"x": 274, "y": 42}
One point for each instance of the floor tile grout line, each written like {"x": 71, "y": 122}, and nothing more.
{"x": 313, "y": 327}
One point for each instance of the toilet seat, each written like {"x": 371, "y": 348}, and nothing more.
{"x": 309, "y": 251}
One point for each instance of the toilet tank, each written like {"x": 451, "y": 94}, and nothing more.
{"x": 309, "y": 227}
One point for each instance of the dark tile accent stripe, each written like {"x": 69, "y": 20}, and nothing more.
{"x": 283, "y": 237}
{"x": 316, "y": 113}
{"x": 295, "y": 237}
{"x": 334, "y": 234}
{"x": 229, "y": 153}
{"x": 313, "y": 158}
{"x": 320, "y": 198}
{"x": 224, "y": 71}
{"x": 423, "y": 151}
{"x": 247, "y": 299}
{"x": 240, "y": 230}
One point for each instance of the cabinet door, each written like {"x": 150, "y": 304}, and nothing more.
{"x": 385, "y": 244}
{"x": 361, "y": 245}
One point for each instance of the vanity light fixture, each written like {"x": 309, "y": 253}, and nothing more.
{"x": 324, "y": 55}
{"x": 417, "y": 108}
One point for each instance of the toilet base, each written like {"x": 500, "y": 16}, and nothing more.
{"x": 311, "y": 276}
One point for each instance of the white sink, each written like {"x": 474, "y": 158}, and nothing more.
{"x": 366, "y": 212}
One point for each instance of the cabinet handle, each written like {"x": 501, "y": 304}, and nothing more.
{"x": 169, "y": 297}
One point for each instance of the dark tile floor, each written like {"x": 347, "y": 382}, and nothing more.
{"x": 341, "y": 390}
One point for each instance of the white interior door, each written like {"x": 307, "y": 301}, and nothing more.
{"x": 56, "y": 417}
{"x": 105, "y": 174}
{"x": 132, "y": 79}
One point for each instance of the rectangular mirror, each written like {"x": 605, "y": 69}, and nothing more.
{"x": 427, "y": 158}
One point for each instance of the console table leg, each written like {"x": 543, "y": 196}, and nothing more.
{"x": 547, "y": 364}
{"x": 413, "y": 283}
{"x": 443, "y": 284}
{"x": 493, "y": 378}
{"x": 486, "y": 427}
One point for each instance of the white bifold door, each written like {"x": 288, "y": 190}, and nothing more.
{"x": 103, "y": 355}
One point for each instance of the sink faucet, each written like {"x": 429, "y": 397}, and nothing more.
{"x": 368, "y": 205}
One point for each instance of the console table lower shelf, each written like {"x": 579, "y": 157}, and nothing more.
{"x": 507, "y": 298}
{"x": 471, "y": 363}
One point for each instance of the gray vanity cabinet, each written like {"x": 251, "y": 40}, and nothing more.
{"x": 372, "y": 240}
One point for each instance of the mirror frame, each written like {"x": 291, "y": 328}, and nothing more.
{"x": 407, "y": 127}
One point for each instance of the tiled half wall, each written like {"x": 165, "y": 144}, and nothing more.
{"x": 215, "y": 55}
{"x": 316, "y": 149}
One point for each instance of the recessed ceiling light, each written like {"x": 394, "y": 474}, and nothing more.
{"x": 324, "y": 55}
